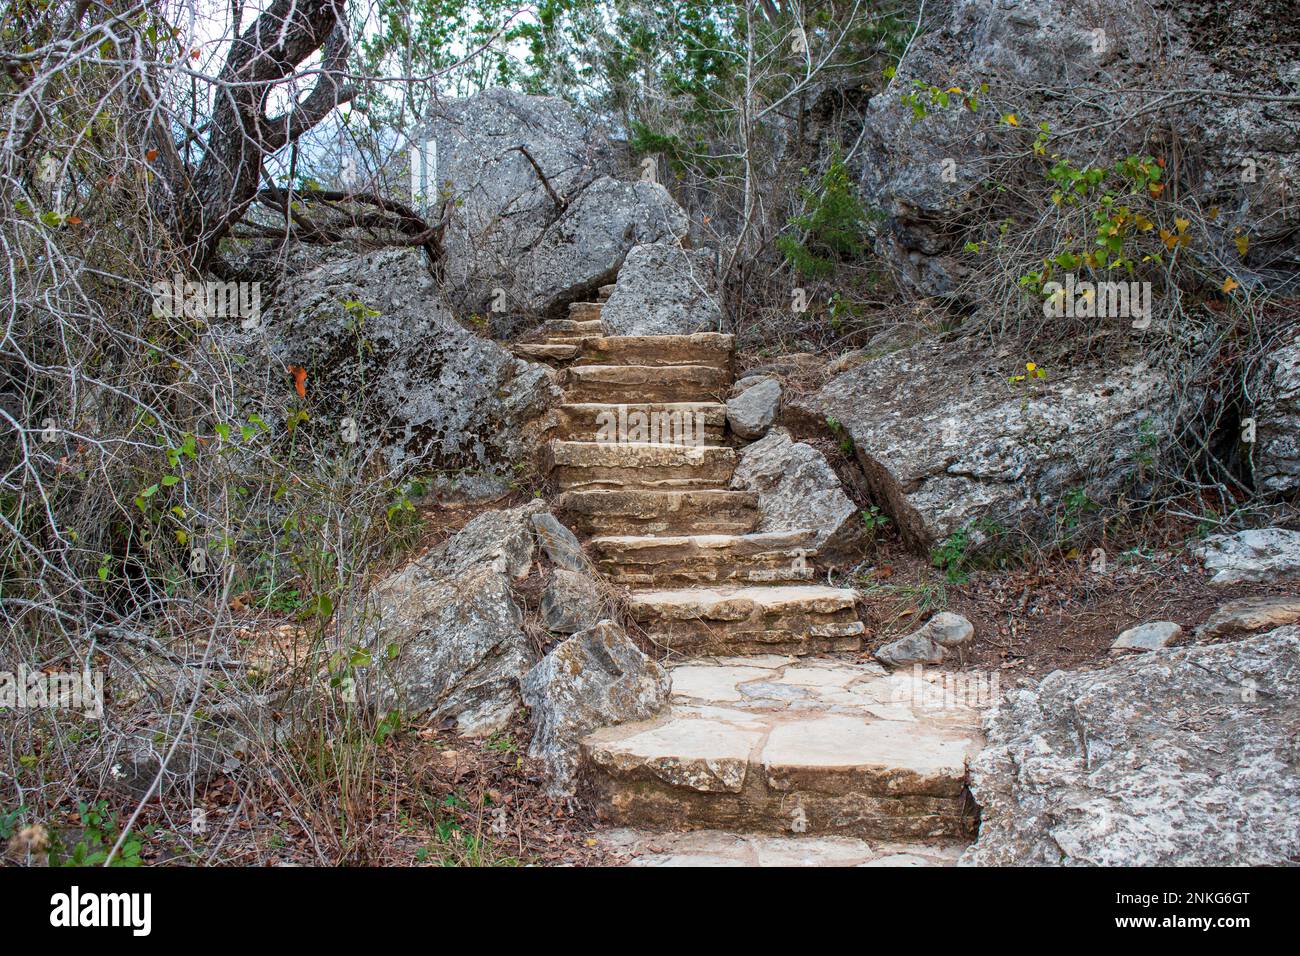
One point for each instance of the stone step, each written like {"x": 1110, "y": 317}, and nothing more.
{"x": 584, "y": 310}
{"x": 713, "y": 349}
{"x": 631, "y": 384}
{"x": 660, "y": 561}
{"x": 546, "y": 351}
{"x": 559, "y": 331}
{"x": 675, "y": 423}
{"x": 789, "y": 619}
{"x": 578, "y": 465}
{"x": 605, "y": 292}
{"x": 714, "y": 848}
{"x": 660, "y": 512}
{"x": 769, "y": 744}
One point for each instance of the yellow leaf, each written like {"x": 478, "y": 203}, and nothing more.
{"x": 1213, "y": 214}
{"x": 1243, "y": 243}
{"x": 1230, "y": 283}
{"x": 1030, "y": 366}
{"x": 1182, "y": 224}
{"x": 1010, "y": 119}
{"x": 1143, "y": 223}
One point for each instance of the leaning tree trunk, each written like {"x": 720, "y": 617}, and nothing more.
{"x": 206, "y": 199}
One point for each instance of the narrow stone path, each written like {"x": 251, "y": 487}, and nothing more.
{"x": 767, "y": 739}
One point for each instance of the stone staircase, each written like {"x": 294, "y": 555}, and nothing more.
{"x": 763, "y": 735}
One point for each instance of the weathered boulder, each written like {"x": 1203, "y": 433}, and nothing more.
{"x": 797, "y": 490}
{"x": 1249, "y": 616}
{"x": 1151, "y": 636}
{"x": 572, "y": 602}
{"x": 747, "y": 381}
{"x": 752, "y": 412}
{"x": 915, "y": 648}
{"x": 949, "y": 629}
{"x": 926, "y": 644}
{"x": 663, "y": 289}
{"x": 926, "y": 174}
{"x": 1182, "y": 757}
{"x": 446, "y": 633}
{"x": 1258, "y": 554}
{"x": 559, "y": 543}
{"x": 389, "y": 369}
{"x": 536, "y": 210}
{"x": 961, "y": 445}
{"x": 151, "y": 692}
{"x": 1277, "y": 420}
{"x": 595, "y": 679}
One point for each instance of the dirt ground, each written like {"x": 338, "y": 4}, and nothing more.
{"x": 1060, "y": 614}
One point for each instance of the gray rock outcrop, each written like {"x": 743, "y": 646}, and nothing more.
{"x": 663, "y": 289}
{"x": 1033, "y": 53}
{"x": 446, "y": 633}
{"x": 1258, "y": 554}
{"x": 538, "y": 210}
{"x": 797, "y": 490}
{"x": 1277, "y": 420}
{"x": 1182, "y": 757}
{"x": 389, "y": 369}
{"x": 961, "y": 444}
{"x": 594, "y": 679}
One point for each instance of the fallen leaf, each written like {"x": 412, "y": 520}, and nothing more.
{"x": 151, "y": 155}
{"x": 1230, "y": 283}
{"x": 299, "y": 380}
{"x": 1242, "y": 243}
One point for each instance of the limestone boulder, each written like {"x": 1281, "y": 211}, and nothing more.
{"x": 572, "y": 602}
{"x": 664, "y": 289}
{"x": 597, "y": 678}
{"x": 962, "y": 446}
{"x": 389, "y": 371}
{"x": 1258, "y": 554}
{"x": 445, "y": 633}
{"x": 751, "y": 413}
{"x": 1150, "y": 636}
{"x": 538, "y": 207}
{"x": 927, "y": 644}
{"x": 797, "y": 490}
{"x": 1179, "y": 757}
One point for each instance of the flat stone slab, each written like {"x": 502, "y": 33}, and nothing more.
{"x": 772, "y": 744}
{"x": 682, "y": 423}
{"x": 662, "y": 560}
{"x": 616, "y": 384}
{"x": 703, "y": 348}
{"x": 584, "y": 465}
{"x": 722, "y": 848}
{"x": 643, "y": 511}
{"x": 789, "y": 619}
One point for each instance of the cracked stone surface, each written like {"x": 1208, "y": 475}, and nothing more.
{"x": 779, "y": 744}
{"x": 721, "y": 848}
